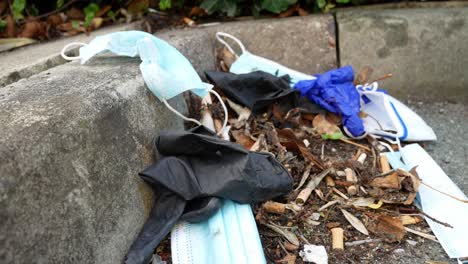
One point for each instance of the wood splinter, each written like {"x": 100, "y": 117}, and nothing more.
{"x": 384, "y": 165}
{"x": 337, "y": 238}
{"x": 305, "y": 193}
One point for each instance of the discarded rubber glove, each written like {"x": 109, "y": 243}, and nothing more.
{"x": 258, "y": 90}
{"x": 334, "y": 91}
{"x": 198, "y": 165}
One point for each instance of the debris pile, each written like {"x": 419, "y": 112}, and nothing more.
{"x": 345, "y": 198}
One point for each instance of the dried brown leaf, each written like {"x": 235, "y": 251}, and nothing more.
{"x": 197, "y": 11}
{"x": 288, "y": 259}
{"x": 389, "y": 228}
{"x": 324, "y": 126}
{"x": 103, "y": 11}
{"x": 10, "y": 30}
{"x": 242, "y": 139}
{"x": 355, "y": 222}
{"x": 290, "y": 236}
{"x": 138, "y": 6}
{"x": 364, "y": 76}
{"x": 33, "y": 29}
{"x": 54, "y": 20}
{"x": 74, "y": 14}
{"x": 391, "y": 181}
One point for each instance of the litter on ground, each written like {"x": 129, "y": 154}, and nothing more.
{"x": 286, "y": 167}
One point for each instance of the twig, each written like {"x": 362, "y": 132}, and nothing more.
{"x": 385, "y": 76}
{"x": 340, "y": 193}
{"x": 444, "y": 193}
{"x": 360, "y": 242}
{"x": 427, "y": 236}
{"x": 327, "y": 205}
{"x": 52, "y": 12}
{"x": 305, "y": 175}
{"x": 433, "y": 219}
{"x": 305, "y": 193}
{"x": 355, "y": 144}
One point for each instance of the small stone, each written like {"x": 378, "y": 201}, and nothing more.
{"x": 315, "y": 216}
{"x": 399, "y": 251}
{"x": 411, "y": 242}
{"x": 333, "y": 150}
{"x": 441, "y": 111}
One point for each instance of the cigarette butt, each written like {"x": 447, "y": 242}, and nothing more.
{"x": 274, "y": 207}
{"x": 303, "y": 195}
{"x": 384, "y": 165}
{"x": 340, "y": 174}
{"x": 337, "y": 238}
{"x": 409, "y": 220}
{"x": 350, "y": 176}
{"x": 352, "y": 190}
{"x": 362, "y": 158}
{"x": 330, "y": 181}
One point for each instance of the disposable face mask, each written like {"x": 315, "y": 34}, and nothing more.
{"x": 435, "y": 203}
{"x": 165, "y": 70}
{"x": 231, "y": 230}
{"x": 388, "y": 118}
{"x": 248, "y": 62}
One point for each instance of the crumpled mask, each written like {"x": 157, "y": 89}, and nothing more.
{"x": 165, "y": 70}
{"x": 248, "y": 62}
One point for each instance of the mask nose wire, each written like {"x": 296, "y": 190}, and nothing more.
{"x": 226, "y": 35}
{"x": 71, "y": 45}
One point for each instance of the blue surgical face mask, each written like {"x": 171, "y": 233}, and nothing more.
{"x": 248, "y": 62}
{"x": 165, "y": 70}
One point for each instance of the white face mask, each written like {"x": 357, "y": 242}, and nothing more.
{"x": 248, "y": 62}
{"x": 389, "y": 118}
{"x": 165, "y": 70}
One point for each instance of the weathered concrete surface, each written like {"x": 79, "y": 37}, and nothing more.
{"x": 73, "y": 140}
{"x": 425, "y": 49}
{"x": 75, "y": 136}
{"x": 27, "y": 61}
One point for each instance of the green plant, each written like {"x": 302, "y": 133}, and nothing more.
{"x": 75, "y": 24}
{"x": 17, "y": 9}
{"x": 3, "y": 24}
{"x": 276, "y": 6}
{"x": 90, "y": 12}
{"x": 164, "y": 4}
{"x": 59, "y": 3}
{"x": 111, "y": 14}
{"x": 224, "y": 6}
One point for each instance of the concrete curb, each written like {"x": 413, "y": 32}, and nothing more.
{"x": 75, "y": 136}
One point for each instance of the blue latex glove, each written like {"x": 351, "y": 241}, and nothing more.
{"x": 334, "y": 91}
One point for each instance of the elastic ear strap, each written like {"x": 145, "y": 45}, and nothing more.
{"x": 68, "y": 46}
{"x": 351, "y": 135}
{"x": 224, "y": 108}
{"x": 218, "y": 36}
{"x": 179, "y": 114}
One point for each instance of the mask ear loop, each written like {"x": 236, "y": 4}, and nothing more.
{"x": 68, "y": 46}
{"x": 218, "y": 36}
{"x": 179, "y": 114}
{"x": 196, "y": 121}
{"x": 224, "y": 108}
